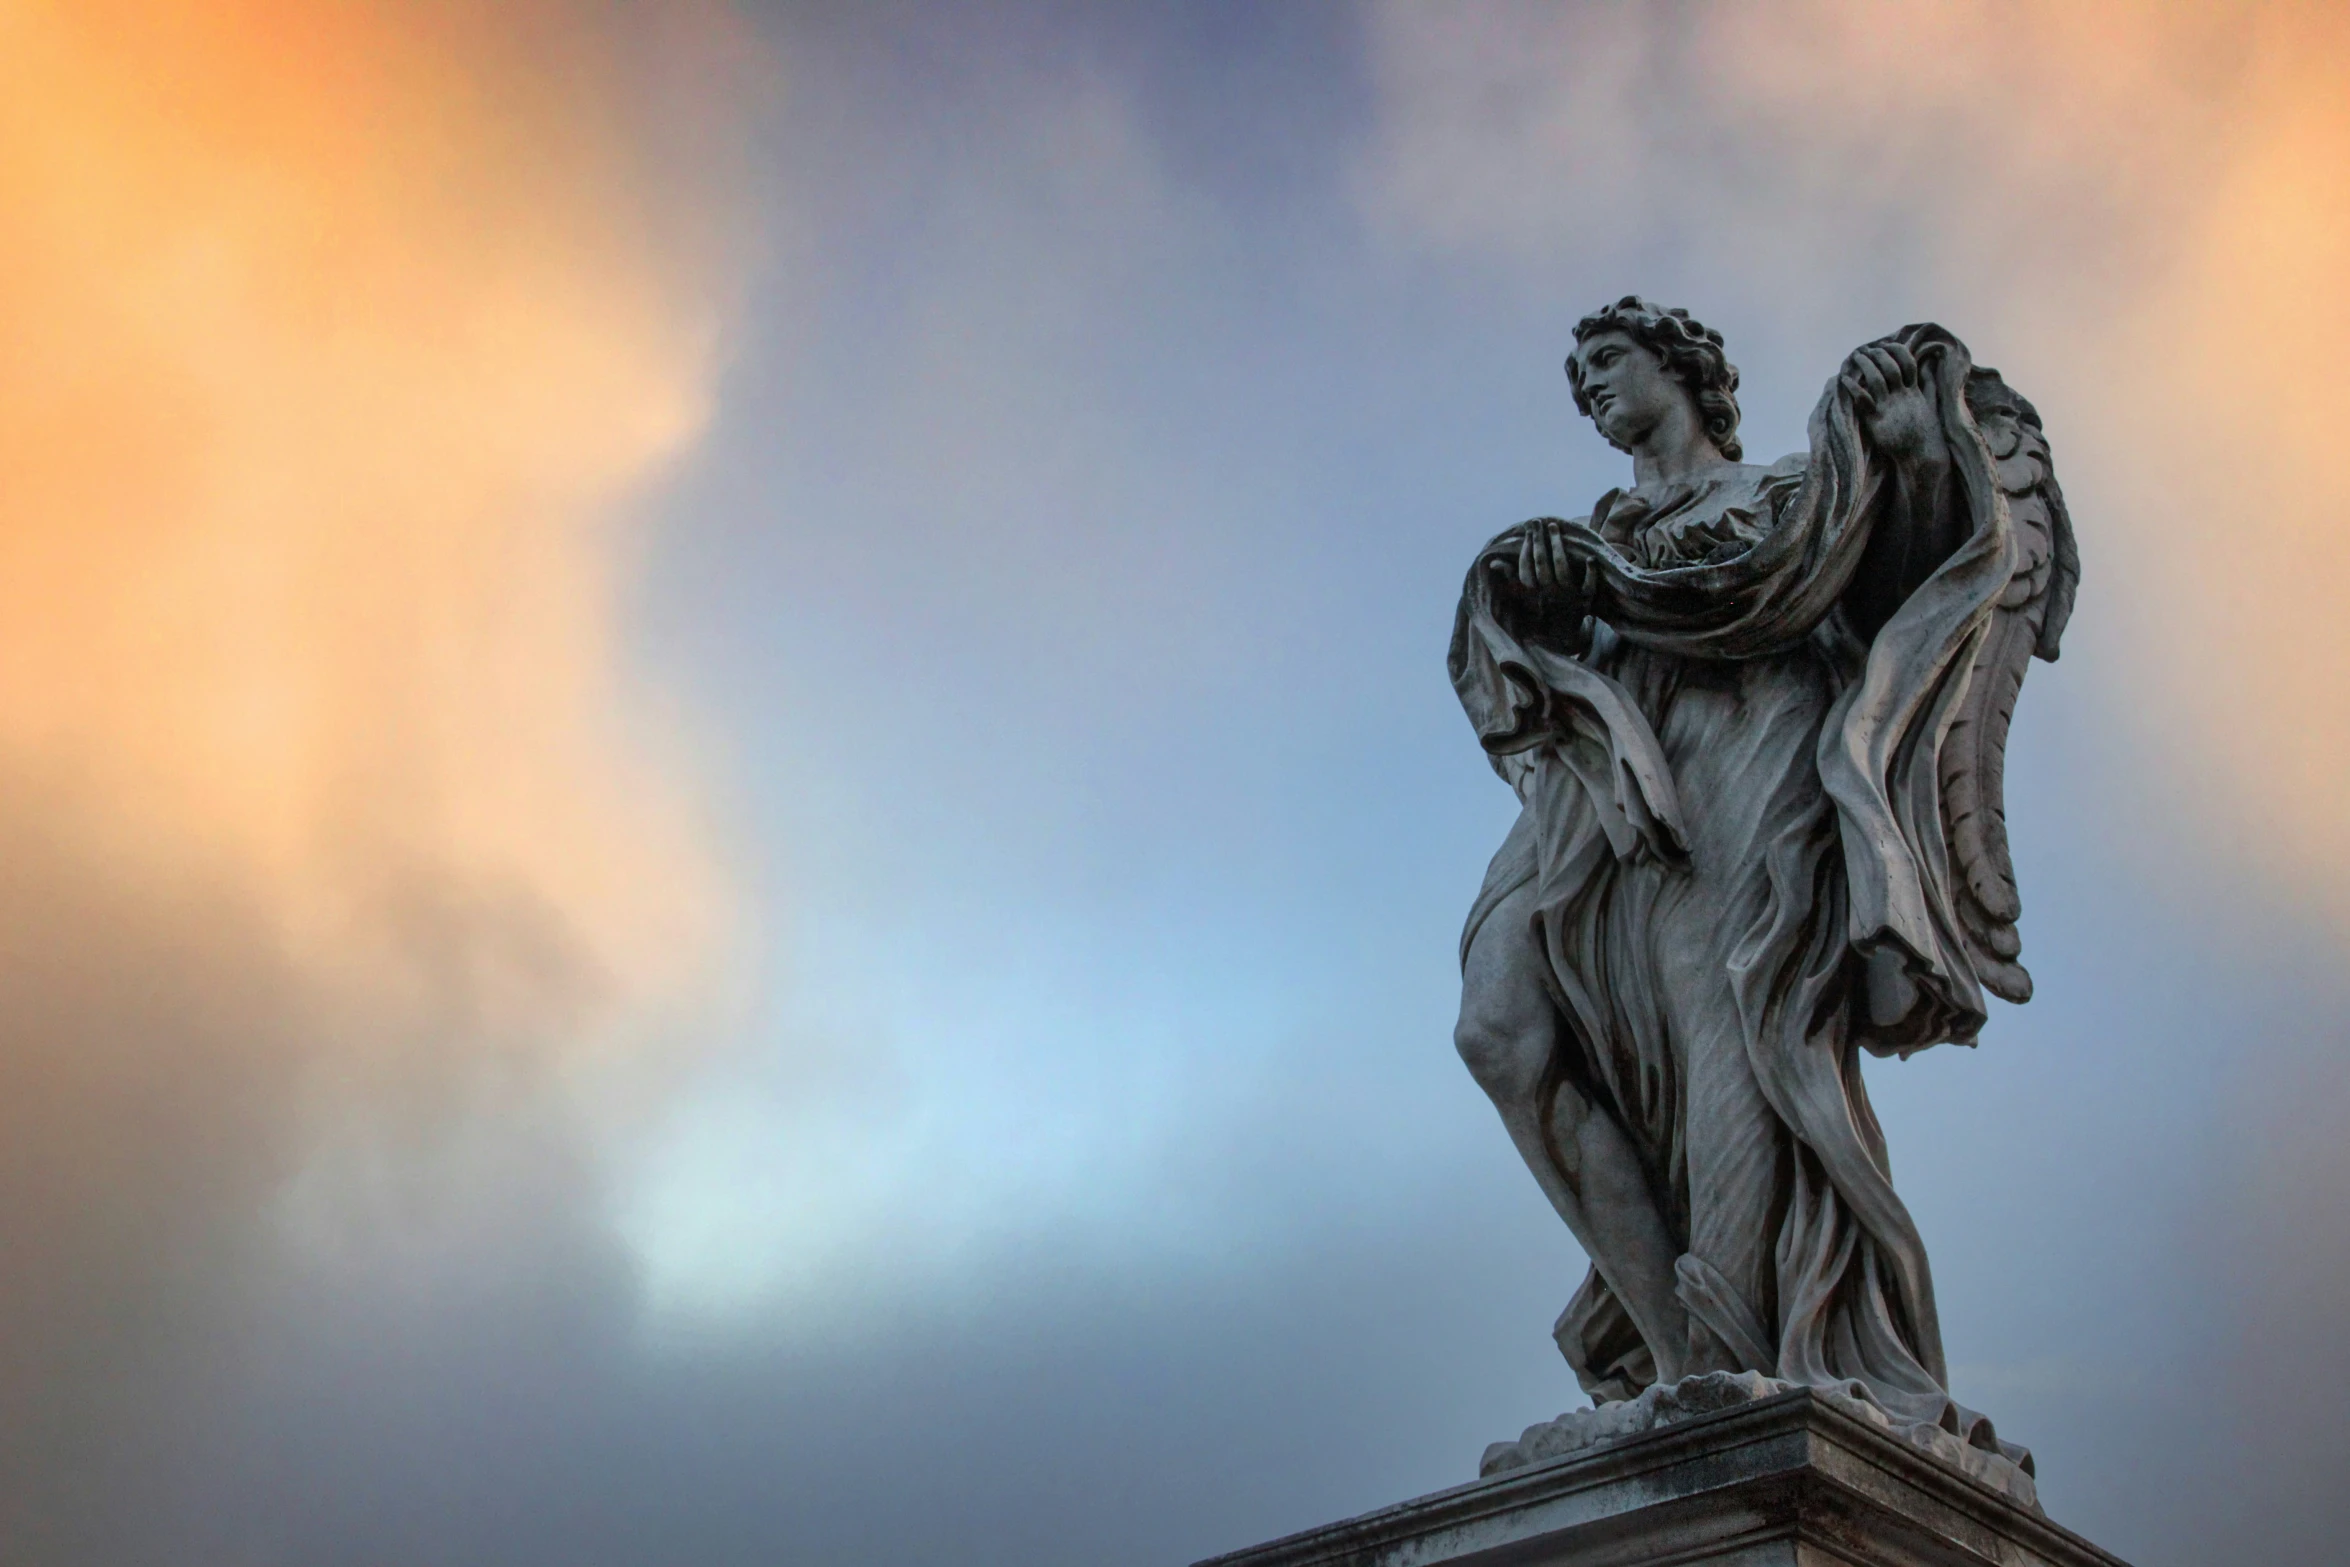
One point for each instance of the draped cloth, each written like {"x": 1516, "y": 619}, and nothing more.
{"x": 1734, "y": 832}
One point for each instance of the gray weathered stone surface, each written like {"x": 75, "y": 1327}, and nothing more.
{"x": 1669, "y": 1403}
{"x": 1756, "y": 718}
{"x": 1793, "y": 1479}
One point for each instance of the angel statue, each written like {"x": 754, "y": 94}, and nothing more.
{"x": 1756, "y": 719}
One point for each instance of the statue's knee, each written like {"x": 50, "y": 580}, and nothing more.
{"x": 1479, "y": 1048}
{"x": 1506, "y": 1055}
{"x": 1506, "y": 1027}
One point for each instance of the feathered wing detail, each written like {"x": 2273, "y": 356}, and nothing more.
{"x": 2029, "y": 619}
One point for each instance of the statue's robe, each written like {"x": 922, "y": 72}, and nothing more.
{"x": 1737, "y": 833}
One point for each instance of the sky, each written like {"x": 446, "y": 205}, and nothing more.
{"x": 729, "y": 823}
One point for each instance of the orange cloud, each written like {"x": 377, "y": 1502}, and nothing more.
{"x": 2232, "y": 389}
{"x": 336, "y": 338}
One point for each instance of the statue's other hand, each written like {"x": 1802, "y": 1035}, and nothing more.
{"x": 1557, "y": 586}
{"x": 1896, "y": 408}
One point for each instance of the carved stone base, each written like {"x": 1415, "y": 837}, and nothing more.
{"x": 1795, "y": 1479}
{"x": 1669, "y": 1403}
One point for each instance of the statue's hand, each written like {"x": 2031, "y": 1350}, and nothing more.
{"x": 1555, "y": 586}
{"x": 1896, "y": 409}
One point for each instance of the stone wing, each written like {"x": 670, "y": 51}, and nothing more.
{"x": 2029, "y": 620}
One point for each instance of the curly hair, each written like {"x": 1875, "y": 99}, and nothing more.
{"x": 1692, "y": 355}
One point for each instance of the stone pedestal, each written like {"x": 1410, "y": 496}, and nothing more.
{"x": 1791, "y": 1480}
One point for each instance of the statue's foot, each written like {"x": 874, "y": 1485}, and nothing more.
{"x": 2002, "y": 1466}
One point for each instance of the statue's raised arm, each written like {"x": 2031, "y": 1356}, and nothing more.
{"x": 1757, "y": 719}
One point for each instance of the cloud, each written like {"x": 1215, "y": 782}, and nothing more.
{"x": 2134, "y": 210}
{"x": 345, "y": 866}
{"x": 339, "y": 341}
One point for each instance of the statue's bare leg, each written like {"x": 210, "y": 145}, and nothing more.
{"x": 1581, "y": 1158}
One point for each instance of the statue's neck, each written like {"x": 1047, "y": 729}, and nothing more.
{"x": 1677, "y": 449}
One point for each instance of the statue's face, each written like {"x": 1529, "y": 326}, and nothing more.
{"x": 1630, "y": 390}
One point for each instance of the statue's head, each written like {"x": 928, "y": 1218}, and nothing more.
{"x": 1633, "y": 354}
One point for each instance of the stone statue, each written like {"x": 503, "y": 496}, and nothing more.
{"x": 1756, "y": 717}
